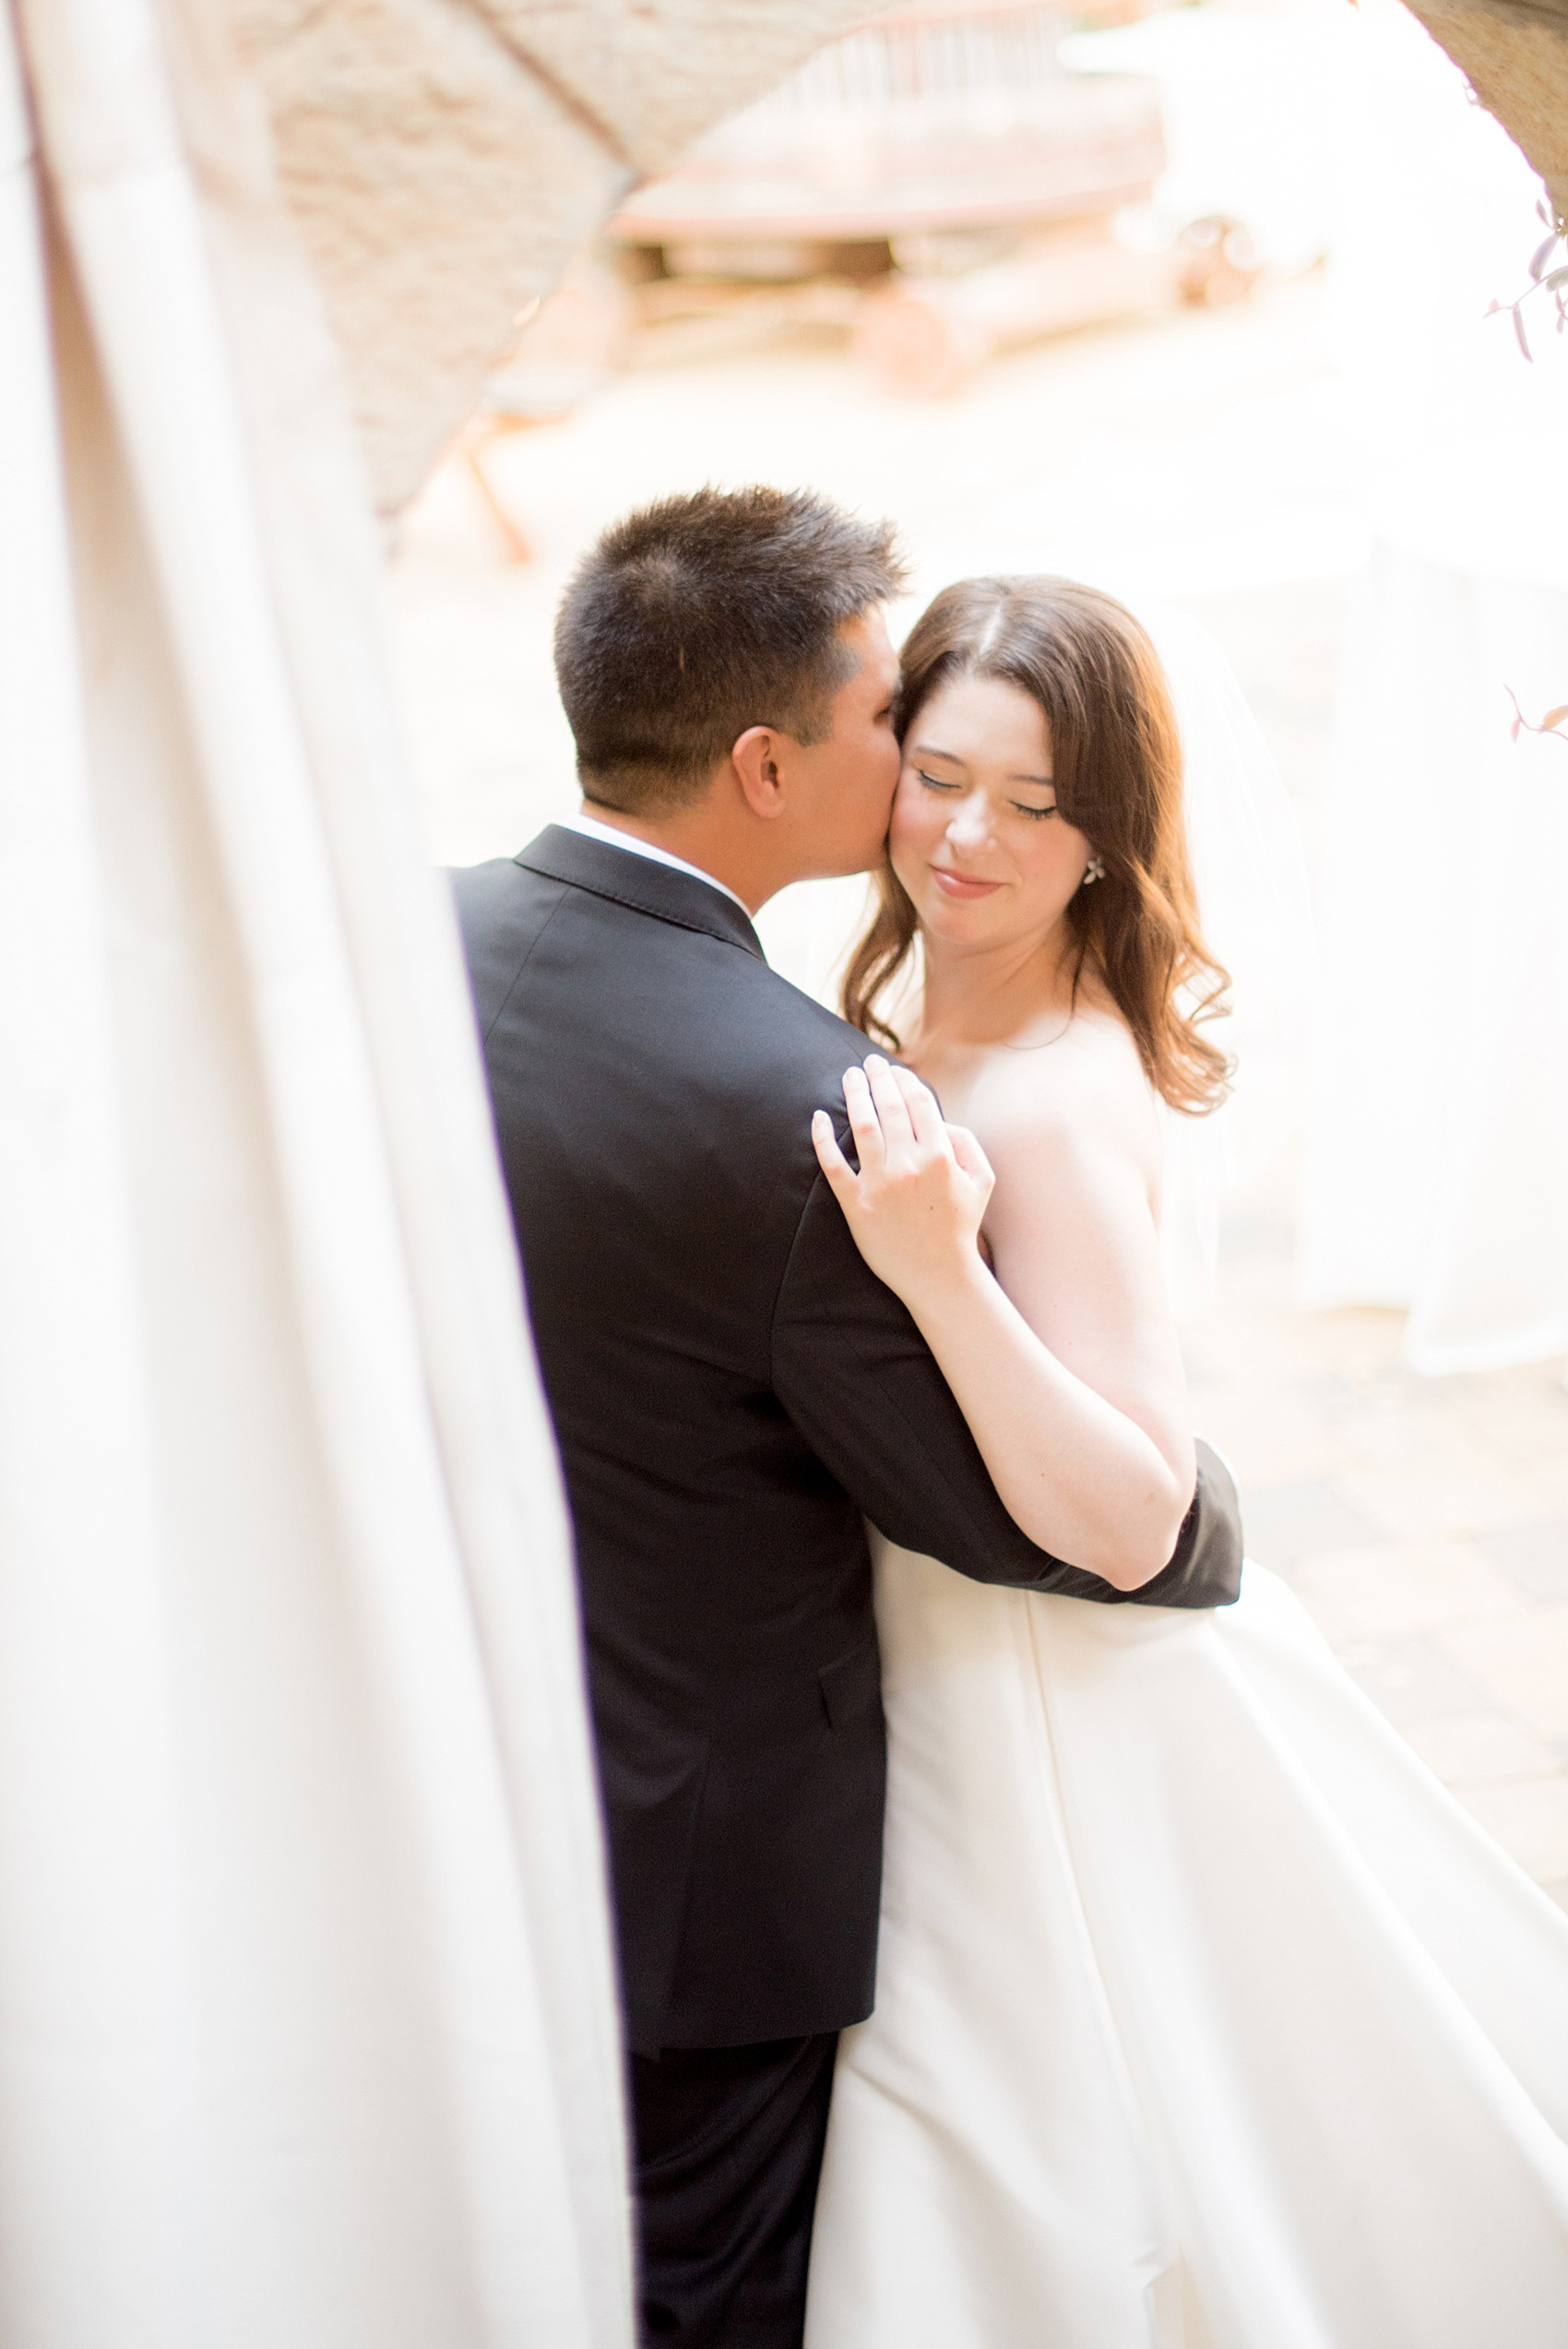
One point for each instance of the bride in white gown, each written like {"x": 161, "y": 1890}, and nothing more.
{"x": 1204, "y": 2015}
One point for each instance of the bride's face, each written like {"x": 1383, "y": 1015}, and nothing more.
{"x": 976, "y": 838}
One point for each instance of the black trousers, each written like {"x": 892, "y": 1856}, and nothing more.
{"x": 729, "y": 2149}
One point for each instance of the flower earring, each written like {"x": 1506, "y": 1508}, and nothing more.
{"x": 1094, "y": 870}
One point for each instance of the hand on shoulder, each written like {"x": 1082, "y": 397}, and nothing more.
{"x": 918, "y": 1200}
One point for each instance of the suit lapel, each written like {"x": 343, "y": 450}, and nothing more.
{"x": 640, "y": 882}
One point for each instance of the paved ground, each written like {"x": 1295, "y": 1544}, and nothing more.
{"x": 1206, "y": 459}
{"x": 1423, "y": 1521}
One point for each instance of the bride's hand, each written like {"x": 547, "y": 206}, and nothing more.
{"x": 916, "y": 1206}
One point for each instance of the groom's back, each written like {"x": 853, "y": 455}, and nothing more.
{"x": 653, "y": 1084}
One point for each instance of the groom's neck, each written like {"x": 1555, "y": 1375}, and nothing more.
{"x": 730, "y": 843}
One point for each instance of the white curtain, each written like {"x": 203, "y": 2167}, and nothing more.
{"x": 1436, "y": 1168}
{"x": 307, "y": 2029}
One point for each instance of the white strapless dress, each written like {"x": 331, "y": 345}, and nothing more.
{"x": 1205, "y": 2016}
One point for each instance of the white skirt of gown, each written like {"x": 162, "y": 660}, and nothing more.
{"x": 1204, "y": 2015}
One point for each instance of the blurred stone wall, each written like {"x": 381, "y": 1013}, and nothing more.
{"x": 443, "y": 159}
{"x": 1515, "y": 54}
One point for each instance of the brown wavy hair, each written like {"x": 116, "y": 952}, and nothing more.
{"x": 1116, "y": 761}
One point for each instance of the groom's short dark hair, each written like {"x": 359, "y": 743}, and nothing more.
{"x": 699, "y": 616}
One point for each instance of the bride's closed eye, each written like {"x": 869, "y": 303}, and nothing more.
{"x": 952, "y": 788}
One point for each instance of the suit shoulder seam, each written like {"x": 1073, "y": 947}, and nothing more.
{"x": 527, "y": 956}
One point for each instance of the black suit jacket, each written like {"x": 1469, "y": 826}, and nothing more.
{"x": 733, "y": 1391}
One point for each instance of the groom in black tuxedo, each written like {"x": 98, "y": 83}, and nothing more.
{"x": 733, "y": 1391}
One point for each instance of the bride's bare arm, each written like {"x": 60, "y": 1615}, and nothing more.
{"x": 1064, "y": 1361}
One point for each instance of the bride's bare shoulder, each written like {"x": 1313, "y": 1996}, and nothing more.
{"x": 1079, "y": 1093}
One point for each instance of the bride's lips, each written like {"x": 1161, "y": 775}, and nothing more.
{"x": 959, "y": 886}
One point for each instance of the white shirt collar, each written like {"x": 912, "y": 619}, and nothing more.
{"x": 591, "y": 829}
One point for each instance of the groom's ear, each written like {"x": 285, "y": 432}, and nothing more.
{"x": 756, "y": 759}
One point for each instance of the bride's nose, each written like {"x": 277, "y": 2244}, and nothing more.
{"x": 970, "y": 824}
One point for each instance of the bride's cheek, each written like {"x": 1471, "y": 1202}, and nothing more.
{"x": 900, "y": 852}
{"x": 906, "y": 834}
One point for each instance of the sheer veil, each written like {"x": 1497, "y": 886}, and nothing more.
{"x": 1253, "y": 903}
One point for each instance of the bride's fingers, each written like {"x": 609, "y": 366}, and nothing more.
{"x": 971, "y": 1158}
{"x": 891, "y": 1107}
{"x": 830, "y": 1158}
{"x": 925, "y": 1114}
{"x": 871, "y": 1148}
